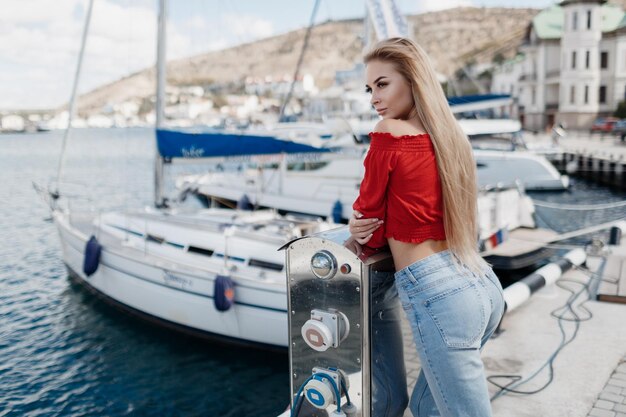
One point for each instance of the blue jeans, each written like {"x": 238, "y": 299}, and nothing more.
{"x": 389, "y": 390}
{"x": 453, "y": 312}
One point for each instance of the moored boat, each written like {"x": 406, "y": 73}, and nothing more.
{"x": 168, "y": 268}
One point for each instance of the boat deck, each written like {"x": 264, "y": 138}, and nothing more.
{"x": 197, "y": 266}
{"x": 589, "y": 373}
{"x": 84, "y": 224}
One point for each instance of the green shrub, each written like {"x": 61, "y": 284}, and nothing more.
{"x": 621, "y": 110}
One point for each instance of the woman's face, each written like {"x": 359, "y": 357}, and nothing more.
{"x": 391, "y": 93}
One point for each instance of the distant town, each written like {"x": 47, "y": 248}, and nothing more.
{"x": 568, "y": 68}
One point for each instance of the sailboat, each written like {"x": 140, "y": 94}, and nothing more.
{"x": 213, "y": 273}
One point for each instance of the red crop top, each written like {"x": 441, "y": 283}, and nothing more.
{"x": 401, "y": 186}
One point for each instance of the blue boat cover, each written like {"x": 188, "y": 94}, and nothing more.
{"x": 177, "y": 144}
{"x": 476, "y": 98}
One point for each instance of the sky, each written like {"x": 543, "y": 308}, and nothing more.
{"x": 40, "y": 39}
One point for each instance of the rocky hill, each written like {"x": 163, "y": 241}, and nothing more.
{"x": 452, "y": 37}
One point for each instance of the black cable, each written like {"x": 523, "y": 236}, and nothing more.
{"x": 602, "y": 278}
{"x": 298, "y": 405}
{"x": 550, "y": 363}
{"x": 561, "y": 318}
{"x": 345, "y": 390}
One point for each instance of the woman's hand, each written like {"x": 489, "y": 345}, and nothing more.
{"x": 361, "y": 229}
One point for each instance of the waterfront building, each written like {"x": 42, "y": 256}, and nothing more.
{"x": 571, "y": 68}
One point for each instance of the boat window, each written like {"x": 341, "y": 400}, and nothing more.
{"x": 306, "y": 166}
{"x": 201, "y": 251}
{"x": 499, "y": 141}
{"x": 153, "y": 238}
{"x": 265, "y": 264}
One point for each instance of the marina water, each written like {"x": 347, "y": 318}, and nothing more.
{"x": 63, "y": 352}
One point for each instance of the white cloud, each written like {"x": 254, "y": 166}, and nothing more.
{"x": 40, "y": 49}
{"x": 40, "y": 42}
{"x": 37, "y": 11}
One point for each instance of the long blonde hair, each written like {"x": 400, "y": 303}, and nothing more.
{"x": 455, "y": 161}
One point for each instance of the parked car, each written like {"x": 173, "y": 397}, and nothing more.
{"x": 619, "y": 129}
{"x": 604, "y": 125}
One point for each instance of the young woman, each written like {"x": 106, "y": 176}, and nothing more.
{"x": 419, "y": 197}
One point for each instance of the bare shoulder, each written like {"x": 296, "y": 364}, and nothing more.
{"x": 396, "y": 127}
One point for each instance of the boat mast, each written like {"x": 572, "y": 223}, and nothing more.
{"x": 72, "y": 108}
{"x": 159, "y": 199}
{"x": 300, "y": 59}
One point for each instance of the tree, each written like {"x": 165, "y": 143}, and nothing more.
{"x": 621, "y": 110}
{"x": 498, "y": 58}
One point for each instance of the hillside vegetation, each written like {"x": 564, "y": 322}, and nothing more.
{"x": 452, "y": 38}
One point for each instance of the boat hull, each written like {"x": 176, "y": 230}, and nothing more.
{"x": 162, "y": 292}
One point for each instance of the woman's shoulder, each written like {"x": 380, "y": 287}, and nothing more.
{"x": 399, "y": 135}
{"x": 396, "y": 128}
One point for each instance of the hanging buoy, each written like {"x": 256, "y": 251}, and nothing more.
{"x": 92, "y": 256}
{"x": 337, "y": 211}
{"x": 244, "y": 203}
{"x": 615, "y": 236}
{"x": 223, "y": 292}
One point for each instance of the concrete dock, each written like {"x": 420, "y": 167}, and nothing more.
{"x": 589, "y": 373}
{"x": 583, "y": 142}
{"x": 605, "y": 145}
{"x": 599, "y": 158}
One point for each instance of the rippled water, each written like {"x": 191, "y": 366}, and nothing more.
{"x": 65, "y": 353}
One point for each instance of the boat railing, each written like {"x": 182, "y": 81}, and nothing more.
{"x": 501, "y": 186}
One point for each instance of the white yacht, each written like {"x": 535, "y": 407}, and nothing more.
{"x": 503, "y": 155}
{"x": 165, "y": 266}
{"x": 331, "y": 180}
{"x": 534, "y": 171}
{"x": 214, "y": 272}
{"x": 327, "y": 187}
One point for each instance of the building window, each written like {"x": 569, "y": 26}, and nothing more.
{"x": 572, "y": 94}
{"x": 602, "y": 94}
{"x": 586, "y": 94}
{"x": 604, "y": 60}
{"x": 573, "y": 59}
{"x": 588, "y": 19}
{"x": 533, "y": 95}
{"x": 575, "y": 21}
{"x": 587, "y": 57}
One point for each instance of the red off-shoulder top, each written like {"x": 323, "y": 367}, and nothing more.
{"x": 401, "y": 186}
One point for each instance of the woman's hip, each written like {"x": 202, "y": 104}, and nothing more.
{"x": 444, "y": 298}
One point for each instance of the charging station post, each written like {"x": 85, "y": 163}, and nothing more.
{"x": 329, "y": 302}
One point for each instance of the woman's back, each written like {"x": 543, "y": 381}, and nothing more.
{"x": 402, "y": 186}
